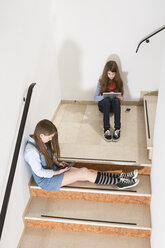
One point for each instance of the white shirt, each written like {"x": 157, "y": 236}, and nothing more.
{"x": 32, "y": 157}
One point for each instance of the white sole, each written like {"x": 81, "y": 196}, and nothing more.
{"x": 108, "y": 140}
{"x": 115, "y": 140}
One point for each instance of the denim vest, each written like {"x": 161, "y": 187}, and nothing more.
{"x": 40, "y": 180}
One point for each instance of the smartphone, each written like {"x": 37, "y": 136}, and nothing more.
{"x": 71, "y": 164}
{"x": 127, "y": 110}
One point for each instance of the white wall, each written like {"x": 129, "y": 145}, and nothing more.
{"x": 158, "y": 170}
{"x": 89, "y": 32}
{"x": 27, "y": 55}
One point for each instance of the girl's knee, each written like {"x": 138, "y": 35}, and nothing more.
{"x": 106, "y": 101}
{"x": 84, "y": 170}
{"x": 116, "y": 100}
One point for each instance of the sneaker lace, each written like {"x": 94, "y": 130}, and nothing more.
{"x": 124, "y": 180}
{"x": 128, "y": 174}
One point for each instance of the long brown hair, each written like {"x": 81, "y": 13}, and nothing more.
{"x": 104, "y": 80}
{"x": 47, "y": 128}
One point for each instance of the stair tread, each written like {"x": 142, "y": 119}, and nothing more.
{"x": 37, "y": 237}
{"x": 143, "y": 188}
{"x": 87, "y": 210}
{"x": 81, "y": 135}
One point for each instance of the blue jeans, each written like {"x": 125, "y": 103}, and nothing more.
{"x": 107, "y": 106}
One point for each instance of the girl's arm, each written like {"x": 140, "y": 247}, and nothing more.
{"x": 61, "y": 171}
{"x": 120, "y": 98}
{"x": 97, "y": 97}
{"x": 60, "y": 164}
{"x": 32, "y": 157}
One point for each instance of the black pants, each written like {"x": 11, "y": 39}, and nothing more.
{"x": 107, "y": 106}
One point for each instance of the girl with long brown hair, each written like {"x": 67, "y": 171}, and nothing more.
{"x": 110, "y": 81}
{"x": 42, "y": 154}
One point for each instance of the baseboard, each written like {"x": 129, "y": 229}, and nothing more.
{"x": 134, "y": 103}
{"x": 77, "y": 102}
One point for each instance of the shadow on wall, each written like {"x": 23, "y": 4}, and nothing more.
{"x": 123, "y": 74}
{"x": 69, "y": 64}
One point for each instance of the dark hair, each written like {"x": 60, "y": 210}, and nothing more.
{"x": 104, "y": 80}
{"x": 47, "y": 128}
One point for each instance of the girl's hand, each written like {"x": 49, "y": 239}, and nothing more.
{"x": 120, "y": 98}
{"x": 63, "y": 164}
{"x": 61, "y": 171}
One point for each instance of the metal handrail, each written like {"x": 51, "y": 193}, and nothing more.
{"x": 149, "y": 36}
{"x": 15, "y": 158}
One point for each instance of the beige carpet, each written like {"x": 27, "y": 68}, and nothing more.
{"x": 80, "y": 128}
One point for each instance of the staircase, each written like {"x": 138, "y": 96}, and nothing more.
{"x": 103, "y": 215}
{"x": 87, "y": 215}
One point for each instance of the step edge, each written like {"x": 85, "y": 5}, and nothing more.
{"x": 98, "y": 191}
{"x": 99, "y": 161}
{"x": 86, "y": 222}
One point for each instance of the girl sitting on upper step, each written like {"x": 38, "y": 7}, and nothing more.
{"x": 110, "y": 81}
{"x": 42, "y": 153}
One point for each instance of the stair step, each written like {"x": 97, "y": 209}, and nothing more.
{"x": 80, "y": 129}
{"x": 144, "y": 169}
{"x": 87, "y": 216}
{"x": 38, "y": 237}
{"x": 140, "y": 194}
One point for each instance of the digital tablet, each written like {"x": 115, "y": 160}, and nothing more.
{"x": 111, "y": 94}
{"x": 67, "y": 165}
{"x": 71, "y": 164}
